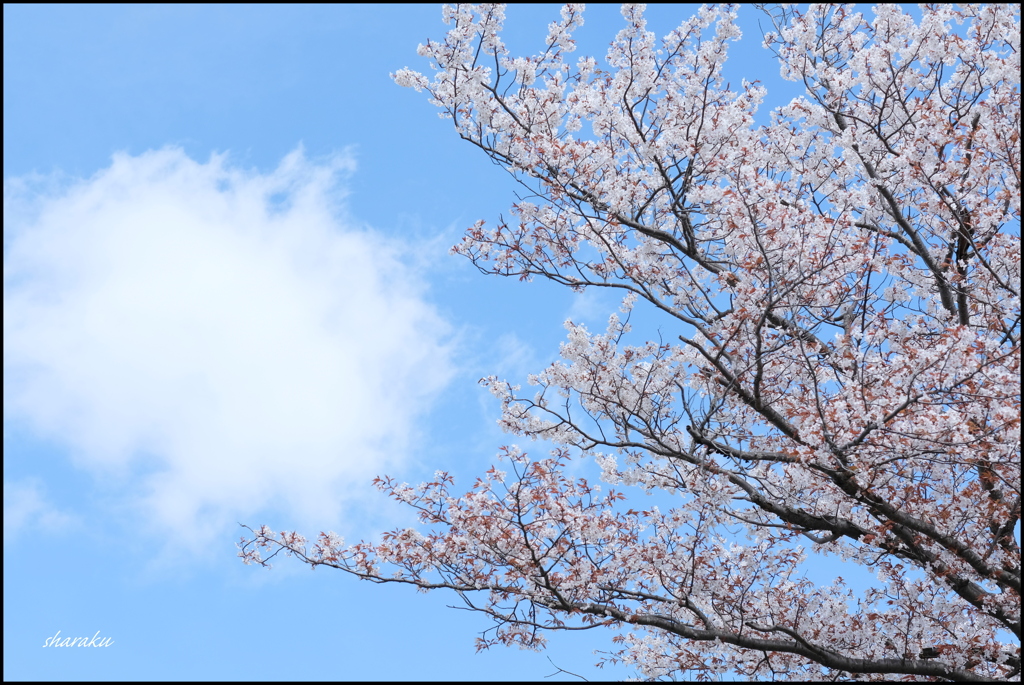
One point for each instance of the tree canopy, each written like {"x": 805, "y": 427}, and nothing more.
{"x": 837, "y": 371}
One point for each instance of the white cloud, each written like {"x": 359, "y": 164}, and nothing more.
{"x": 514, "y": 359}
{"x": 593, "y": 306}
{"x": 213, "y": 339}
{"x": 26, "y": 508}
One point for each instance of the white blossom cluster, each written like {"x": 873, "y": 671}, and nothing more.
{"x": 837, "y": 370}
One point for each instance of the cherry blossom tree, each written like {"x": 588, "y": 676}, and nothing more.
{"x": 836, "y": 372}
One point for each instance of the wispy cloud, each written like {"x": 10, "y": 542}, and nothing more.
{"x": 216, "y": 340}
{"x": 26, "y": 508}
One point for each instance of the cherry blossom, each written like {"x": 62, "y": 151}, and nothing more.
{"x": 837, "y": 370}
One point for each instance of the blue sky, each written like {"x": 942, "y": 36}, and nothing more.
{"x": 228, "y": 298}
